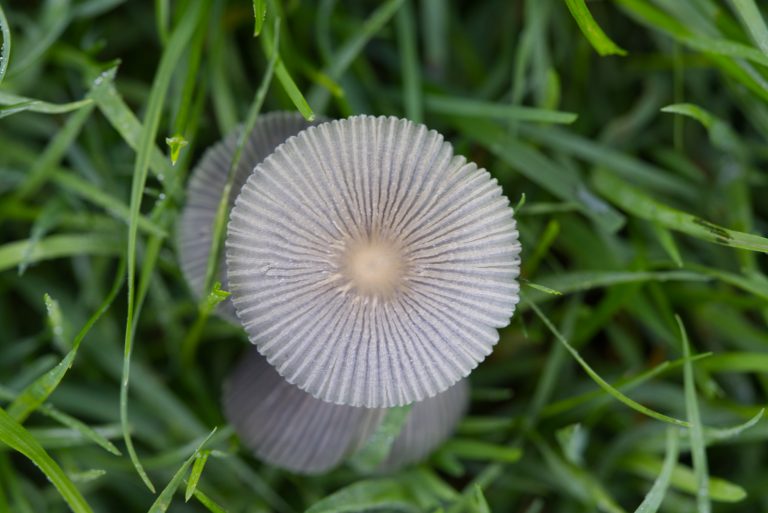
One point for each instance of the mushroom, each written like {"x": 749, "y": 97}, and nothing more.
{"x": 369, "y": 264}
{"x": 206, "y": 186}
{"x": 289, "y": 428}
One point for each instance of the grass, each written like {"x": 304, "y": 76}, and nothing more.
{"x": 634, "y": 375}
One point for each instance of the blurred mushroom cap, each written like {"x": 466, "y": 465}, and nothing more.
{"x": 206, "y": 186}
{"x": 369, "y": 264}
{"x": 288, "y": 428}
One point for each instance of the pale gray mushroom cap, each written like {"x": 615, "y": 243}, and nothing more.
{"x": 288, "y": 428}
{"x": 206, "y": 186}
{"x": 369, "y": 264}
{"x": 429, "y": 424}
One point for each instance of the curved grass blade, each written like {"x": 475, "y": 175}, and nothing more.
{"x": 56, "y": 246}
{"x": 163, "y": 500}
{"x": 698, "y": 451}
{"x": 596, "y": 377}
{"x": 684, "y": 479}
{"x": 376, "y": 449}
{"x": 486, "y": 110}
{"x": 39, "y": 390}
{"x": 409, "y": 62}
{"x": 197, "y": 470}
{"x": 208, "y": 301}
{"x": 168, "y": 62}
{"x": 259, "y": 14}
{"x": 5, "y": 49}
{"x": 348, "y": 52}
{"x": 591, "y": 30}
{"x": 656, "y": 494}
{"x": 15, "y": 436}
{"x": 638, "y": 203}
{"x": 751, "y": 17}
{"x": 284, "y": 77}
{"x": 22, "y": 103}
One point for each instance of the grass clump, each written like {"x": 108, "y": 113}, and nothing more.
{"x": 633, "y": 377}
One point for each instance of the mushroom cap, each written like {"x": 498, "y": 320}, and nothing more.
{"x": 288, "y": 428}
{"x": 429, "y": 423}
{"x": 370, "y": 265}
{"x": 206, "y": 186}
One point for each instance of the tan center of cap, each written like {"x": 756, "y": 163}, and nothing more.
{"x": 374, "y": 268}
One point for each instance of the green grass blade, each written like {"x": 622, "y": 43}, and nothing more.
{"x": 194, "y": 476}
{"x": 352, "y": 47}
{"x": 22, "y": 104}
{"x": 754, "y": 22}
{"x": 638, "y": 203}
{"x": 376, "y": 449}
{"x": 208, "y": 502}
{"x": 57, "y": 246}
{"x": 284, "y": 77}
{"x": 656, "y": 494}
{"x": 591, "y": 30}
{"x": 409, "y": 62}
{"x": 15, "y": 436}
{"x": 5, "y": 49}
{"x": 478, "y": 450}
{"x": 86, "y": 190}
{"x": 163, "y": 500}
{"x": 114, "y": 108}
{"x": 259, "y": 14}
{"x": 596, "y": 377}
{"x": 480, "y": 109}
{"x": 168, "y": 62}
{"x": 698, "y": 449}
{"x": 684, "y": 479}
{"x": 37, "y": 392}
{"x": 54, "y": 152}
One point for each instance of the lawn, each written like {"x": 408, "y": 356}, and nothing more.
{"x": 629, "y": 136}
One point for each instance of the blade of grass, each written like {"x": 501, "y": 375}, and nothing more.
{"x": 122, "y": 119}
{"x": 39, "y": 106}
{"x": 684, "y": 479}
{"x": 481, "y": 109}
{"x": 754, "y": 22}
{"x": 45, "y": 165}
{"x": 596, "y": 377}
{"x": 633, "y": 200}
{"x": 656, "y": 494}
{"x": 624, "y": 384}
{"x": 56, "y": 246}
{"x": 352, "y": 47}
{"x": 15, "y": 436}
{"x": 409, "y": 62}
{"x": 168, "y": 62}
{"x": 220, "y": 220}
{"x": 563, "y": 182}
{"x": 259, "y": 14}
{"x": 37, "y": 392}
{"x": 591, "y": 30}
{"x": 478, "y": 450}
{"x": 283, "y": 76}
{"x": 698, "y": 451}
{"x": 194, "y": 476}
{"x": 66, "y": 420}
{"x": 5, "y": 49}
{"x": 376, "y": 449}
{"x": 163, "y": 500}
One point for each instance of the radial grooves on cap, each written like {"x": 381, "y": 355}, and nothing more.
{"x": 376, "y": 181}
{"x": 286, "y": 426}
{"x": 206, "y": 186}
{"x": 428, "y": 425}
